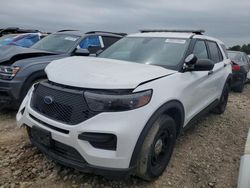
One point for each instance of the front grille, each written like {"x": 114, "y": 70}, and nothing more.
{"x": 66, "y": 105}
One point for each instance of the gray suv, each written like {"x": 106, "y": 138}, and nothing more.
{"x": 21, "y": 67}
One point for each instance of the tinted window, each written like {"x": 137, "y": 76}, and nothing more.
{"x": 90, "y": 41}
{"x": 214, "y": 52}
{"x": 200, "y": 50}
{"x": 7, "y": 39}
{"x": 156, "y": 51}
{"x": 108, "y": 41}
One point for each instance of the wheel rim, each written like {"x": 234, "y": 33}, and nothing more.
{"x": 161, "y": 148}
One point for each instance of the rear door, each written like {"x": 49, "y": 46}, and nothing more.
{"x": 218, "y": 73}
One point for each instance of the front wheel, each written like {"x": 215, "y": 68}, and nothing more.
{"x": 27, "y": 88}
{"x": 221, "y": 107}
{"x": 157, "y": 148}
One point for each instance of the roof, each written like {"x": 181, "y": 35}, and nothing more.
{"x": 163, "y": 34}
{"x": 71, "y": 32}
{"x": 16, "y": 30}
{"x": 183, "y": 35}
{"x": 208, "y": 38}
{"x": 198, "y": 32}
{"x": 81, "y": 33}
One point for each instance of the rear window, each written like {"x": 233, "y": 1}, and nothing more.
{"x": 108, "y": 41}
{"x": 215, "y": 54}
{"x": 224, "y": 50}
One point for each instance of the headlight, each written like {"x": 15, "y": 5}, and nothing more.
{"x": 120, "y": 102}
{"x": 8, "y": 72}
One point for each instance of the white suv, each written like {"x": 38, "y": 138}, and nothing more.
{"x": 120, "y": 114}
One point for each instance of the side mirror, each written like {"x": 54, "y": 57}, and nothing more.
{"x": 191, "y": 60}
{"x": 81, "y": 52}
{"x": 192, "y": 63}
{"x": 204, "y": 65}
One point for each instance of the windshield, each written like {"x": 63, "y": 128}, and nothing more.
{"x": 59, "y": 43}
{"x": 7, "y": 39}
{"x": 164, "y": 52}
{"x": 26, "y": 40}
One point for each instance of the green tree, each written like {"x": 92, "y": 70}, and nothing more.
{"x": 244, "y": 48}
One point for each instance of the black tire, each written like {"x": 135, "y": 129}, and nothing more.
{"x": 221, "y": 107}
{"x": 29, "y": 86}
{"x": 25, "y": 91}
{"x": 157, "y": 148}
{"x": 240, "y": 87}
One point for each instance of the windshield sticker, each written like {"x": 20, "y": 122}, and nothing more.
{"x": 177, "y": 41}
{"x": 71, "y": 38}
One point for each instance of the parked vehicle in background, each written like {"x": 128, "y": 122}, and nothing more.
{"x": 21, "y": 67}
{"x": 243, "y": 180}
{"x": 17, "y": 30}
{"x": 240, "y": 68}
{"x": 248, "y": 75}
{"x": 120, "y": 113}
{"x": 24, "y": 40}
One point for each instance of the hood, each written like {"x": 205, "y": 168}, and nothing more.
{"x": 38, "y": 60}
{"x": 10, "y": 54}
{"x": 101, "y": 73}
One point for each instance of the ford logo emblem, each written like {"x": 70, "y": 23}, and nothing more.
{"x": 48, "y": 100}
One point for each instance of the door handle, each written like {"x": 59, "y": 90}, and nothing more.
{"x": 210, "y": 72}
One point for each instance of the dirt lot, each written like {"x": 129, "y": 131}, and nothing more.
{"x": 205, "y": 156}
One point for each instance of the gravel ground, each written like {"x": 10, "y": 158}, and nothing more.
{"x": 207, "y": 155}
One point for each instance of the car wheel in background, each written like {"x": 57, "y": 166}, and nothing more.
{"x": 221, "y": 107}
{"x": 240, "y": 87}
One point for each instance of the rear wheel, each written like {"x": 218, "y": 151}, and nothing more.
{"x": 157, "y": 148}
{"x": 221, "y": 107}
{"x": 240, "y": 87}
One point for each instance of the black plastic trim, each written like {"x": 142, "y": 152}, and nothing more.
{"x": 49, "y": 126}
{"x": 84, "y": 166}
{"x": 167, "y": 106}
{"x": 100, "y": 140}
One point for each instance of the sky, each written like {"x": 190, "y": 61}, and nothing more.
{"x": 227, "y": 20}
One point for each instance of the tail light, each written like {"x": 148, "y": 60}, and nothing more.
{"x": 235, "y": 67}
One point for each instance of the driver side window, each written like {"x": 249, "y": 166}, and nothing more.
{"x": 200, "y": 50}
{"x": 93, "y": 41}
